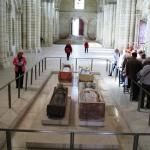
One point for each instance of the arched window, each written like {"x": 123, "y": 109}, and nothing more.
{"x": 79, "y": 4}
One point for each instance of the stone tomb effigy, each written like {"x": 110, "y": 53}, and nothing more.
{"x": 85, "y": 75}
{"x": 91, "y": 106}
{"x": 62, "y": 141}
{"x": 58, "y": 109}
{"x": 65, "y": 75}
{"x": 57, "y": 106}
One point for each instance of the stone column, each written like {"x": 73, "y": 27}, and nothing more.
{"x": 45, "y": 23}
{"x": 28, "y": 19}
{"x": 19, "y": 30}
{"x": 3, "y": 35}
{"x": 56, "y": 25}
{"x": 10, "y": 27}
{"x": 38, "y": 24}
{"x": 100, "y": 21}
{"x": 50, "y": 20}
{"x": 33, "y": 25}
{"x": 24, "y": 25}
{"x": 125, "y": 22}
{"x": 108, "y": 30}
{"x": 118, "y": 10}
{"x": 132, "y": 21}
{"x": 147, "y": 36}
{"x": 137, "y": 23}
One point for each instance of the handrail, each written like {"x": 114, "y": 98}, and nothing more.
{"x": 1, "y": 88}
{"x": 72, "y": 135}
{"x": 42, "y": 62}
{"x": 76, "y": 132}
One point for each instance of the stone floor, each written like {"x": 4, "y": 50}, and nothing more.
{"x": 124, "y": 115}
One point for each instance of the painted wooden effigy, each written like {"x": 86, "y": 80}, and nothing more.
{"x": 57, "y": 106}
{"x": 65, "y": 75}
{"x": 85, "y": 75}
{"x": 91, "y": 107}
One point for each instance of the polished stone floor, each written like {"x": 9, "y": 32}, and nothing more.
{"x": 122, "y": 114}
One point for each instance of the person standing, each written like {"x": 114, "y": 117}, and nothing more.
{"x": 145, "y": 81}
{"x": 115, "y": 60}
{"x": 19, "y": 62}
{"x": 68, "y": 49}
{"x": 133, "y": 66}
{"x": 86, "y": 46}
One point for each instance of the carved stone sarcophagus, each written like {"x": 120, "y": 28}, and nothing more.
{"x": 65, "y": 75}
{"x": 91, "y": 106}
{"x": 85, "y": 75}
{"x": 57, "y": 106}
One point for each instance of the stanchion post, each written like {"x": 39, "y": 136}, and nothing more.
{"x": 119, "y": 76}
{"x": 9, "y": 95}
{"x": 135, "y": 142}
{"x": 140, "y": 98}
{"x": 19, "y": 78}
{"x": 109, "y": 67}
{"x": 45, "y": 63}
{"x": 26, "y": 83}
{"x": 31, "y": 76}
{"x": 42, "y": 65}
{"x": 106, "y": 65}
{"x": 149, "y": 120}
{"x": 60, "y": 64}
{"x": 131, "y": 92}
{"x": 92, "y": 64}
{"x": 71, "y": 141}
{"x": 35, "y": 72}
{"x": 39, "y": 68}
{"x": 76, "y": 64}
{"x": 8, "y": 140}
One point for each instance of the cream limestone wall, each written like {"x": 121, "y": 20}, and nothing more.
{"x": 109, "y": 25}
{"x": 143, "y": 9}
{"x": 20, "y": 26}
{"x": 88, "y": 15}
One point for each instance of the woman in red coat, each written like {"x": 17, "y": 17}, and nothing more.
{"x": 86, "y": 46}
{"x": 68, "y": 49}
{"x": 19, "y": 62}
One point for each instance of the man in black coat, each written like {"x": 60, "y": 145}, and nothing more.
{"x": 133, "y": 66}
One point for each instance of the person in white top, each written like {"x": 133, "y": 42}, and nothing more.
{"x": 115, "y": 60}
{"x": 145, "y": 81}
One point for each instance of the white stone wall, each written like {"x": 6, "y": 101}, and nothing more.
{"x": 143, "y": 13}
{"x": 47, "y": 17}
{"x": 125, "y": 23}
{"x": 109, "y": 25}
{"x": 88, "y": 15}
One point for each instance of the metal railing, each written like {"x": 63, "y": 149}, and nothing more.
{"x": 108, "y": 62}
{"x": 39, "y": 67}
{"x": 141, "y": 90}
{"x": 41, "y": 63}
{"x": 72, "y": 135}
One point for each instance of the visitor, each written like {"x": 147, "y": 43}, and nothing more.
{"x": 68, "y": 49}
{"x": 133, "y": 66}
{"x": 145, "y": 81}
{"x": 86, "y": 46}
{"x": 115, "y": 61}
{"x": 19, "y": 62}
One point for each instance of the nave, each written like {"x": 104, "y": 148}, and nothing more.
{"x": 121, "y": 113}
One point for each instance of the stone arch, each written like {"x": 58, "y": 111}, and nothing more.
{"x": 84, "y": 21}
